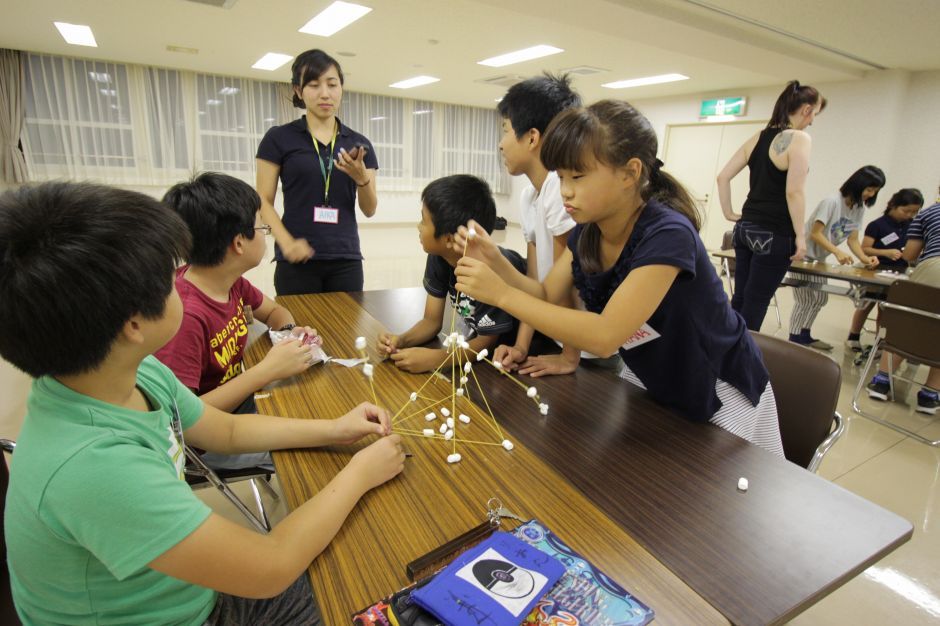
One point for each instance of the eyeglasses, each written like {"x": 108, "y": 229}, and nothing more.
{"x": 264, "y": 228}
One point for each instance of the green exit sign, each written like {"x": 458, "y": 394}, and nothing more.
{"x": 723, "y": 106}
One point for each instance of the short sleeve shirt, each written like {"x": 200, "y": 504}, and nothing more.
{"x": 888, "y": 234}
{"x": 291, "y": 147}
{"x": 926, "y": 226}
{"x": 698, "y": 337}
{"x": 478, "y": 318}
{"x": 839, "y": 221}
{"x": 96, "y": 493}
{"x": 543, "y": 217}
{"x": 209, "y": 347}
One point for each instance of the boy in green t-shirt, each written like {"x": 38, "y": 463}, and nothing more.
{"x": 100, "y": 527}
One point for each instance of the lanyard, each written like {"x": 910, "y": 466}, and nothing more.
{"x": 326, "y": 171}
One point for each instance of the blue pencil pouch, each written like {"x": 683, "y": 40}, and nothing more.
{"x": 496, "y": 582}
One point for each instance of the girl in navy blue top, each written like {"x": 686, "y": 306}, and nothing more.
{"x": 885, "y": 238}
{"x": 637, "y": 261}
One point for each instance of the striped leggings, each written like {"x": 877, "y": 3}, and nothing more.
{"x": 807, "y": 303}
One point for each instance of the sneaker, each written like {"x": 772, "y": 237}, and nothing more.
{"x": 927, "y": 402}
{"x": 854, "y": 345}
{"x": 879, "y": 388}
{"x": 819, "y": 344}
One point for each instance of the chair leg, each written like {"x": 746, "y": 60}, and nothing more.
{"x": 827, "y": 442}
{"x": 861, "y": 384}
{"x": 262, "y": 514}
{"x": 727, "y": 268}
{"x": 261, "y": 525}
{"x": 266, "y": 483}
{"x": 777, "y": 311}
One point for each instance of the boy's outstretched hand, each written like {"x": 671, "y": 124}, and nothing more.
{"x": 509, "y": 356}
{"x": 477, "y": 280}
{"x": 387, "y": 343}
{"x": 377, "y": 463}
{"x": 418, "y": 360}
{"x": 365, "y": 419}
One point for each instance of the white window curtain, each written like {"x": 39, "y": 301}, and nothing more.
{"x": 134, "y": 125}
{"x": 12, "y": 163}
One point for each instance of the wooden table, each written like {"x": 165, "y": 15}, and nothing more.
{"x": 859, "y": 284}
{"x": 647, "y": 496}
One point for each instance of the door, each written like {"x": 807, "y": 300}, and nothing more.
{"x": 695, "y": 154}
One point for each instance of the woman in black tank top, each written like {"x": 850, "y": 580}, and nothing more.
{"x": 768, "y": 233}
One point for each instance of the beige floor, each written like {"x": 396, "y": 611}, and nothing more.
{"x": 870, "y": 460}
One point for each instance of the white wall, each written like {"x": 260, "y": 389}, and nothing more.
{"x": 888, "y": 118}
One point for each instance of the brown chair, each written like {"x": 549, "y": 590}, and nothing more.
{"x": 910, "y": 319}
{"x": 806, "y": 386}
{"x": 7, "y": 610}
{"x": 727, "y": 269}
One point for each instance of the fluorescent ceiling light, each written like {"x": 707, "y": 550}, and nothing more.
{"x": 271, "y": 61}
{"x": 108, "y": 92}
{"x": 649, "y": 80}
{"x": 334, "y": 18}
{"x": 228, "y": 91}
{"x": 100, "y": 77}
{"x": 378, "y": 118}
{"x": 422, "y": 112}
{"x": 77, "y": 34}
{"x": 535, "y": 52}
{"x": 417, "y": 81}
{"x": 213, "y": 102}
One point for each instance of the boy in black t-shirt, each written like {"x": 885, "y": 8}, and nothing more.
{"x": 447, "y": 203}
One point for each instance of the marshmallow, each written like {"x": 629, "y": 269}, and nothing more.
{"x": 471, "y": 232}
{"x": 742, "y": 484}
{"x": 482, "y": 354}
{"x": 445, "y": 411}
{"x": 450, "y": 422}
{"x": 360, "y": 343}
{"x": 430, "y": 416}
{"x": 498, "y": 365}
{"x": 414, "y": 396}
{"x": 446, "y": 342}
{"x": 463, "y": 380}
{"x": 464, "y": 345}
{"x": 367, "y": 370}
{"x": 531, "y": 392}
{"x": 467, "y": 367}
{"x": 507, "y": 444}
{"x": 443, "y": 429}
{"x": 428, "y": 432}
{"x": 543, "y": 409}
{"x": 449, "y": 435}
{"x": 453, "y": 458}
{"x": 464, "y": 418}
{"x": 460, "y": 392}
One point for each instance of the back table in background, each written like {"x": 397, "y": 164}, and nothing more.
{"x": 650, "y": 498}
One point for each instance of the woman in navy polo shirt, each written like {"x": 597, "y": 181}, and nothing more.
{"x": 322, "y": 164}
{"x": 885, "y": 238}
{"x": 641, "y": 269}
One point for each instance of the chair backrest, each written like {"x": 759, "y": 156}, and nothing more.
{"x": 911, "y": 319}
{"x": 727, "y": 243}
{"x": 7, "y": 610}
{"x": 806, "y": 385}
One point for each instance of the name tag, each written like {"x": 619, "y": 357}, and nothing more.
{"x": 644, "y": 334}
{"x": 889, "y": 238}
{"x": 325, "y": 215}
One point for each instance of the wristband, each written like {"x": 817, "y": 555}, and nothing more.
{"x": 287, "y": 327}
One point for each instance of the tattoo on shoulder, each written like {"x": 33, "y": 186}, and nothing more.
{"x": 782, "y": 142}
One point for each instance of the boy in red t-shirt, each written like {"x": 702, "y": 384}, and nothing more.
{"x": 206, "y": 354}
